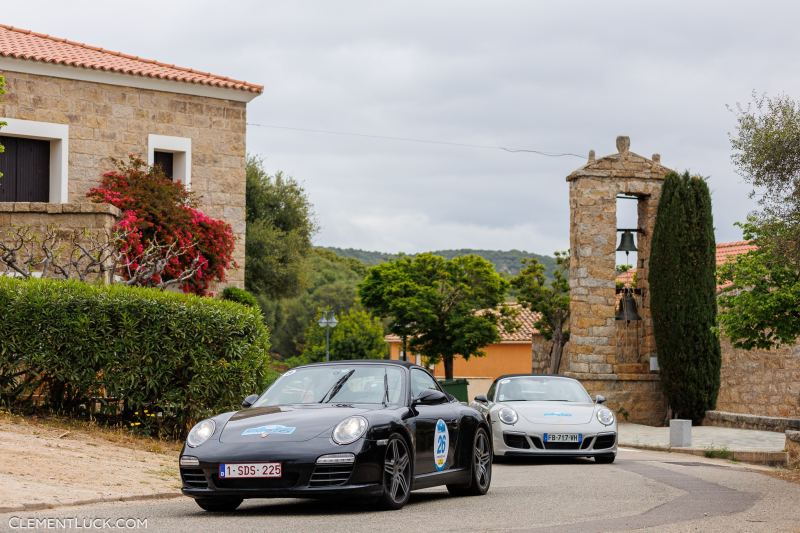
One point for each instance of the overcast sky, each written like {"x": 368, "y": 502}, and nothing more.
{"x": 552, "y": 76}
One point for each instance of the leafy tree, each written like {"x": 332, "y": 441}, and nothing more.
{"x": 358, "y": 335}
{"x": 766, "y": 153}
{"x": 280, "y": 224}
{"x": 759, "y": 302}
{"x": 440, "y": 308}
{"x": 683, "y": 296}
{"x": 331, "y": 284}
{"x": 549, "y": 299}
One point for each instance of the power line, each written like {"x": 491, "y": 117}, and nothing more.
{"x": 422, "y": 141}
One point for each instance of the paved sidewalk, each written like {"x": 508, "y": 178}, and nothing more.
{"x": 747, "y": 445}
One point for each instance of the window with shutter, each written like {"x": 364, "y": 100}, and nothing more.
{"x": 25, "y": 165}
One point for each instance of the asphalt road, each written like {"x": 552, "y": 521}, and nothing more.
{"x": 642, "y": 491}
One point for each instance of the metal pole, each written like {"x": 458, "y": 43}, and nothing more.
{"x": 327, "y": 344}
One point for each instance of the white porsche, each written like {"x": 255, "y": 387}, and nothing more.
{"x": 547, "y": 416}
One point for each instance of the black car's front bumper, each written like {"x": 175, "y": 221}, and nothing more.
{"x": 301, "y": 476}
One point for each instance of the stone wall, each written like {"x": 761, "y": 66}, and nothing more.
{"x": 608, "y": 360}
{"x": 112, "y": 121}
{"x": 760, "y": 382}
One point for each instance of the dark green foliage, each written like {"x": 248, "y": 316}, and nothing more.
{"x": 185, "y": 356}
{"x": 683, "y": 296}
{"x": 280, "y": 224}
{"x": 241, "y": 296}
{"x": 331, "y": 284}
{"x": 442, "y": 308}
{"x": 549, "y": 299}
{"x": 358, "y": 335}
{"x": 761, "y": 296}
{"x": 505, "y": 262}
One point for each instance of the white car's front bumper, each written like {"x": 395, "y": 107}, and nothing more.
{"x": 512, "y": 441}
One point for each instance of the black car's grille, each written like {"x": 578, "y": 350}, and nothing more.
{"x": 537, "y": 442}
{"x": 587, "y": 443}
{"x": 516, "y": 441}
{"x": 194, "y": 478}
{"x": 287, "y": 480}
{"x": 562, "y": 445}
{"x": 604, "y": 441}
{"x": 330, "y": 475}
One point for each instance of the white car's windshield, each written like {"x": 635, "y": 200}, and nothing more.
{"x": 540, "y": 389}
{"x": 336, "y": 384}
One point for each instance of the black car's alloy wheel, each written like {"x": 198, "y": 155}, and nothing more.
{"x": 396, "y": 474}
{"x": 219, "y": 505}
{"x": 481, "y": 476}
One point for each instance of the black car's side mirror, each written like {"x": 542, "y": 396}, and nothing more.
{"x": 250, "y": 400}
{"x": 430, "y": 397}
{"x": 481, "y": 398}
{"x": 600, "y": 398}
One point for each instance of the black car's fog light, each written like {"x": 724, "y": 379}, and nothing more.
{"x": 336, "y": 459}
{"x": 188, "y": 460}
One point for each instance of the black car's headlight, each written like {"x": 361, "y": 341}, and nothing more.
{"x": 200, "y": 433}
{"x": 605, "y": 416}
{"x": 350, "y": 430}
{"x": 508, "y": 416}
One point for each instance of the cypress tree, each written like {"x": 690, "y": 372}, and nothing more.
{"x": 683, "y": 296}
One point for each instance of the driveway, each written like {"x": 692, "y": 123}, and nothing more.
{"x": 647, "y": 490}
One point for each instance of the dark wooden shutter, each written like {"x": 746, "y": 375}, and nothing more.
{"x": 165, "y": 161}
{"x": 25, "y": 165}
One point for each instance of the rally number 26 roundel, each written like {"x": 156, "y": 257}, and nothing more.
{"x": 441, "y": 444}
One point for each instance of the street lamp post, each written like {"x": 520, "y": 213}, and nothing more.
{"x": 328, "y": 321}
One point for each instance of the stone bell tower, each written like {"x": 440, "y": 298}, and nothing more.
{"x": 613, "y": 357}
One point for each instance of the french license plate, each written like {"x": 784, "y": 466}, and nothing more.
{"x": 238, "y": 470}
{"x": 563, "y": 437}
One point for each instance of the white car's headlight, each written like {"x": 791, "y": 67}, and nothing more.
{"x": 508, "y": 416}
{"x": 350, "y": 430}
{"x": 200, "y": 433}
{"x": 605, "y": 417}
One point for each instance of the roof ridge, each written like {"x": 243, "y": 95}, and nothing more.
{"x": 253, "y": 87}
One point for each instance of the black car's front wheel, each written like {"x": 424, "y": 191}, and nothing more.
{"x": 396, "y": 474}
{"x": 218, "y": 505}
{"x": 481, "y": 475}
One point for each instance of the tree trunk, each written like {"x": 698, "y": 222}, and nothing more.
{"x": 448, "y": 367}
{"x": 404, "y": 355}
{"x": 555, "y": 352}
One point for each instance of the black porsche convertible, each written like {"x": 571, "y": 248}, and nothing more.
{"x": 370, "y": 429}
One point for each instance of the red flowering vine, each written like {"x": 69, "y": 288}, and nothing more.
{"x": 158, "y": 210}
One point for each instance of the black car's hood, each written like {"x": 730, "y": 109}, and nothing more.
{"x": 285, "y": 423}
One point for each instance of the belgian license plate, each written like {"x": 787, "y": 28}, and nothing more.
{"x": 563, "y": 437}
{"x": 238, "y": 470}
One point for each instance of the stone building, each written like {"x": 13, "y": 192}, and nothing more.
{"x": 599, "y": 351}
{"x": 71, "y": 107}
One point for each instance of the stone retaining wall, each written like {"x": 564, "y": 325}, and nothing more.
{"x": 793, "y": 448}
{"x": 632, "y": 397}
{"x": 760, "y": 382}
{"x": 747, "y": 421}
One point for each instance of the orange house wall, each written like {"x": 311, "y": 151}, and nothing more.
{"x": 500, "y": 359}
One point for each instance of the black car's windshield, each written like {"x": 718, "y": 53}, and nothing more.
{"x": 336, "y": 384}
{"x": 541, "y": 389}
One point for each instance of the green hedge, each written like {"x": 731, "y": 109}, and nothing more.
{"x": 181, "y": 356}
{"x": 241, "y": 296}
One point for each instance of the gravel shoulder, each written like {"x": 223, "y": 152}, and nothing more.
{"x": 51, "y": 463}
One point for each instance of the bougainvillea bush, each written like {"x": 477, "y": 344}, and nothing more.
{"x": 158, "y": 210}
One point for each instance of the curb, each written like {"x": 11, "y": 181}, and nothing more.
{"x": 743, "y": 456}
{"x": 110, "y": 499}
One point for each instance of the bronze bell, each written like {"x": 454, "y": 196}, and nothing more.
{"x": 627, "y": 307}
{"x": 626, "y": 242}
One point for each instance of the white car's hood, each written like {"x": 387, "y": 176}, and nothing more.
{"x": 554, "y": 413}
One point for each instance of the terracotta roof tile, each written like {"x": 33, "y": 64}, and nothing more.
{"x": 24, "y": 44}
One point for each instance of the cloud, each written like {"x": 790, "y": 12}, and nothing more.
{"x": 565, "y": 77}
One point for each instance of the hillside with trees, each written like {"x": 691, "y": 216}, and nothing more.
{"x": 506, "y": 262}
